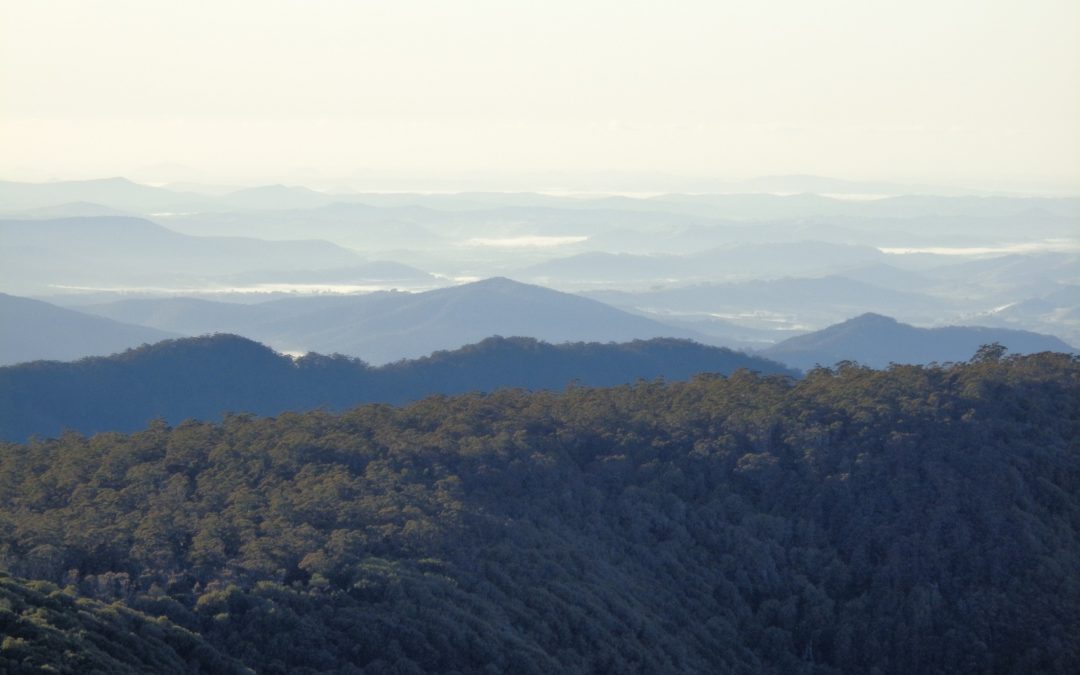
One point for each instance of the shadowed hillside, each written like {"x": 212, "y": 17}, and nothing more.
{"x": 32, "y": 330}
{"x": 915, "y": 520}
{"x": 49, "y": 629}
{"x": 203, "y": 378}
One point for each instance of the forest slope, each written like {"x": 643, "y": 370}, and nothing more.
{"x": 48, "y": 629}
{"x": 919, "y": 519}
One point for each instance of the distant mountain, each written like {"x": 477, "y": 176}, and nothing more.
{"x": 768, "y": 198}
{"x": 726, "y": 332}
{"x": 387, "y": 326}
{"x": 126, "y": 195}
{"x": 31, "y": 330}
{"x": 131, "y": 197}
{"x": 39, "y": 255}
{"x": 358, "y": 226}
{"x": 186, "y": 316}
{"x": 1062, "y": 304}
{"x": 885, "y": 275}
{"x": 783, "y": 207}
{"x": 779, "y": 303}
{"x": 877, "y": 341}
{"x": 205, "y": 377}
{"x": 116, "y": 193}
{"x": 1055, "y": 313}
{"x": 799, "y": 184}
{"x": 434, "y": 224}
{"x": 68, "y": 210}
{"x": 272, "y": 197}
{"x": 373, "y": 272}
{"x": 1013, "y": 277}
{"x": 717, "y": 264}
{"x": 602, "y": 266}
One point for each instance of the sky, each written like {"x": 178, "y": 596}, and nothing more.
{"x": 586, "y": 92}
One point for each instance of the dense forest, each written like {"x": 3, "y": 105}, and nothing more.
{"x": 44, "y": 628}
{"x": 201, "y": 378}
{"x": 911, "y": 520}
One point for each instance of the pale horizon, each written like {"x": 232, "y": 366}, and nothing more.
{"x": 640, "y": 185}
{"x": 589, "y": 96}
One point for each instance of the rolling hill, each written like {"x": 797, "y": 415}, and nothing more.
{"x": 118, "y": 193}
{"x": 791, "y": 303}
{"x": 40, "y": 255}
{"x": 205, "y": 377}
{"x": 31, "y": 330}
{"x": 804, "y": 258}
{"x": 387, "y": 326}
{"x": 877, "y": 341}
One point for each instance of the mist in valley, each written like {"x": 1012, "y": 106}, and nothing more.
{"x": 579, "y": 337}
{"x": 388, "y": 276}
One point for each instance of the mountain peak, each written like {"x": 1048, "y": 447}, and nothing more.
{"x": 499, "y": 281}
{"x": 875, "y": 340}
{"x": 218, "y": 347}
{"x": 503, "y": 284}
{"x": 870, "y": 319}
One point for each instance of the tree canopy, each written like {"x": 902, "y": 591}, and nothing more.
{"x": 917, "y": 519}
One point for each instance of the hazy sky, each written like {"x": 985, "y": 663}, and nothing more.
{"x": 961, "y": 92}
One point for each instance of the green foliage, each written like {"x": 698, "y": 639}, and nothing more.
{"x": 990, "y": 352}
{"x": 909, "y": 520}
{"x": 48, "y": 629}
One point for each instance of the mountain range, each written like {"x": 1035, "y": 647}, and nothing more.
{"x": 814, "y": 200}
{"x": 386, "y": 326}
{"x": 44, "y": 255}
{"x": 613, "y": 497}
{"x": 206, "y": 377}
{"x": 785, "y": 303}
{"x": 805, "y": 258}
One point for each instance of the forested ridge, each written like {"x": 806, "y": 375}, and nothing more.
{"x": 911, "y": 520}
{"x": 201, "y": 378}
{"x": 44, "y": 628}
